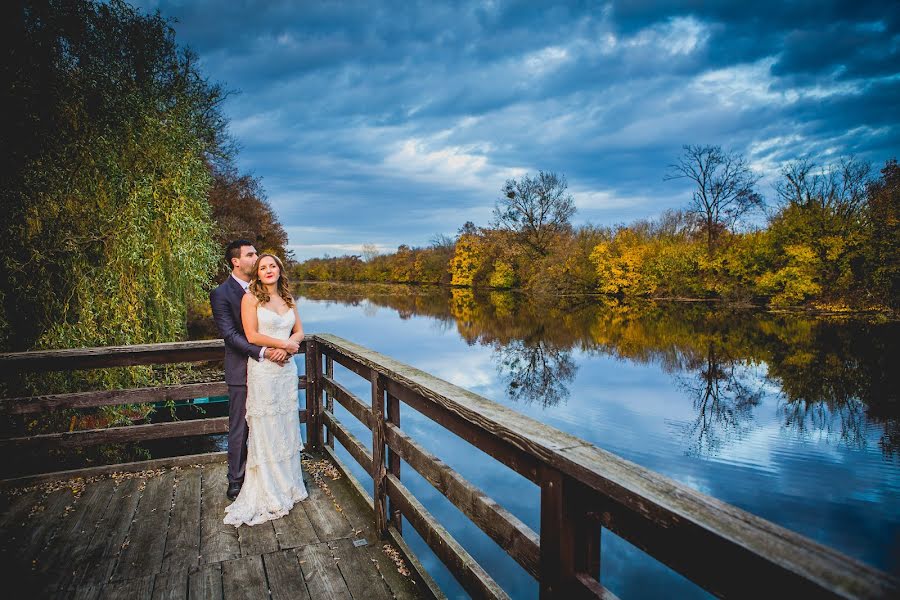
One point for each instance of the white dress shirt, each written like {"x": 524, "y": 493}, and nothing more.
{"x": 246, "y": 286}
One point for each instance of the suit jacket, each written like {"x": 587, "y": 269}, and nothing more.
{"x": 226, "y": 308}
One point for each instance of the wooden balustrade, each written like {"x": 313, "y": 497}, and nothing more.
{"x": 583, "y": 489}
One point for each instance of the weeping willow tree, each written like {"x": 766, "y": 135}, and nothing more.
{"x": 107, "y": 143}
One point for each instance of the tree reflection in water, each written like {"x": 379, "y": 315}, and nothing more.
{"x": 836, "y": 379}
{"x": 724, "y": 397}
{"x": 534, "y": 371}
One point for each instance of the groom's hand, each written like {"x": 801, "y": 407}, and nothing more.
{"x": 277, "y": 355}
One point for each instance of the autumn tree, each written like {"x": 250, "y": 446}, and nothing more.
{"x": 536, "y": 208}
{"x": 241, "y": 211}
{"x": 107, "y": 133}
{"x": 883, "y": 235}
{"x": 724, "y": 187}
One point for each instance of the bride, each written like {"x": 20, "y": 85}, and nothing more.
{"x": 273, "y": 482}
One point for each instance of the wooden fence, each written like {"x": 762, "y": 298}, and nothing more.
{"x": 583, "y": 489}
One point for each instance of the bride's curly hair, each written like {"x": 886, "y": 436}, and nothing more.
{"x": 259, "y": 290}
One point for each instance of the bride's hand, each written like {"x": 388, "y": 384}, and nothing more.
{"x": 292, "y": 346}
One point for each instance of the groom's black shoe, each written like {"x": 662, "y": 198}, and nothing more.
{"x": 234, "y": 488}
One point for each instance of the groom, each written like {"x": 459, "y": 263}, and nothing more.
{"x": 226, "y": 307}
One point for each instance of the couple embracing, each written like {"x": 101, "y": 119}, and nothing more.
{"x": 258, "y": 318}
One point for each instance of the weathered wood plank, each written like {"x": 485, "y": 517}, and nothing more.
{"x": 33, "y": 404}
{"x": 511, "y": 534}
{"x": 393, "y": 459}
{"x": 244, "y": 578}
{"x": 99, "y": 559}
{"x": 132, "y": 467}
{"x": 329, "y": 399}
{"x": 23, "y": 549}
{"x": 71, "y": 542}
{"x": 294, "y": 529}
{"x": 588, "y": 587}
{"x": 356, "y": 449}
{"x": 362, "y": 578}
{"x": 206, "y": 583}
{"x": 341, "y": 358}
{"x": 732, "y": 551}
{"x": 139, "y": 589}
{"x": 378, "y": 465}
{"x": 218, "y": 541}
{"x": 321, "y": 574}
{"x": 72, "y": 359}
{"x": 285, "y": 576}
{"x": 188, "y": 391}
{"x": 348, "y": 400}
{"x": 115, "y": 435}
{"x": 358, "y": 509}
{"x": 557, "y": 552}
{"x": 142, "y": 552}
{"x": 183, "y": 540}
{"x": 313, "y": 404}
{"x": 460, "y": 563}
{"x": 171, "y": 585}
{"x": 328, "y": 523}
{"x": 257, "y": 539}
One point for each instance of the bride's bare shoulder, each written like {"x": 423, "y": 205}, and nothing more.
{"x": 249, "y": 300}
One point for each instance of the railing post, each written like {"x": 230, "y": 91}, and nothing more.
{"x": 313, "y": 397}
{"x": 329, "y": 400}
{"x": 393, "y": 460}
{"x": 378, "y": 470}
{"x": 570, "y": 541}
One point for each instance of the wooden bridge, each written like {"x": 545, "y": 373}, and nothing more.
{"x": 153, "y": 529}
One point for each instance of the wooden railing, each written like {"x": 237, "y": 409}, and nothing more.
{"x": 584, "y": 489}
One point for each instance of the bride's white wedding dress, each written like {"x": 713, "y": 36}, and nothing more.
{"x": 273, "y": 482}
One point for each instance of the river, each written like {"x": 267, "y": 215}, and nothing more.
{"x": 791, "y": 418}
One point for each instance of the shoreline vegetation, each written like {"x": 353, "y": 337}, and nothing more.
{"x": 830, "y": 244}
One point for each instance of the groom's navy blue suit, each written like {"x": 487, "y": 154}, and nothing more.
{"x": 226, "y": 308}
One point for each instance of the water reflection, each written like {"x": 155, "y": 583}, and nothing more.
{"x": 832, "y": 377}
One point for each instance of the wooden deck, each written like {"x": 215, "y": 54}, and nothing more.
{"x": 159, "y": 534}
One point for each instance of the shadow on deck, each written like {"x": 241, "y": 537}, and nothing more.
{"x": 159, "y": 534}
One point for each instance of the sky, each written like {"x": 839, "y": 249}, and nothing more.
{"x": 388, "y": 123}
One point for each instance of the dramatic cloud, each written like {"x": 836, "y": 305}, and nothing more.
{"x": 387, "y": 123}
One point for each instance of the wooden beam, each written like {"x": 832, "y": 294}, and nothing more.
{"x": 71, "y": 359}
{"x": 348, "y": 400}
{"x": 329, "y": 397}
{"x": 163, "y": 393}
{"x": 511, "y": 534}
{"x": 393, "y": 459}
{"x": 356, "y": 448}
{"x": 132, "y": 467}
{"x": 473, "y": 578}
{"x": 378, "y": 468}
{"x": 119, "y": 435}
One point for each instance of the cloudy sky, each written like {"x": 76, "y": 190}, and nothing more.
{"x": 388, "y": 123}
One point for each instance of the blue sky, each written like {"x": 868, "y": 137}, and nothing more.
{"x": 388, "y": 123}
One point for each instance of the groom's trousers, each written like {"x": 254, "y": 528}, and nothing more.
{"x": 237, "y": 432}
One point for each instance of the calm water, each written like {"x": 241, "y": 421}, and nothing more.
{"x": 790, "y": 418}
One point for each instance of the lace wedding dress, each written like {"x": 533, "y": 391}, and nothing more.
{"x": 272, "y": 482}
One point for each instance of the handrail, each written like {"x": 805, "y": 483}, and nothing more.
{"x": 724, "y": 549}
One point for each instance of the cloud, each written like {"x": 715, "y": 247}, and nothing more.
{"x": 390, "y": 122}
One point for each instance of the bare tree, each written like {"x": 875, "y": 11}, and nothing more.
{"x": 535, "y": 208}
{"x": 724, "y": 187}
{"x": 840, "y": 190}
{"x": 369, "y": 252}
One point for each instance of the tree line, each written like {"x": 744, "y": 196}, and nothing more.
{"x": 830, "y": 239}
{"x": 120, "y": 185}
